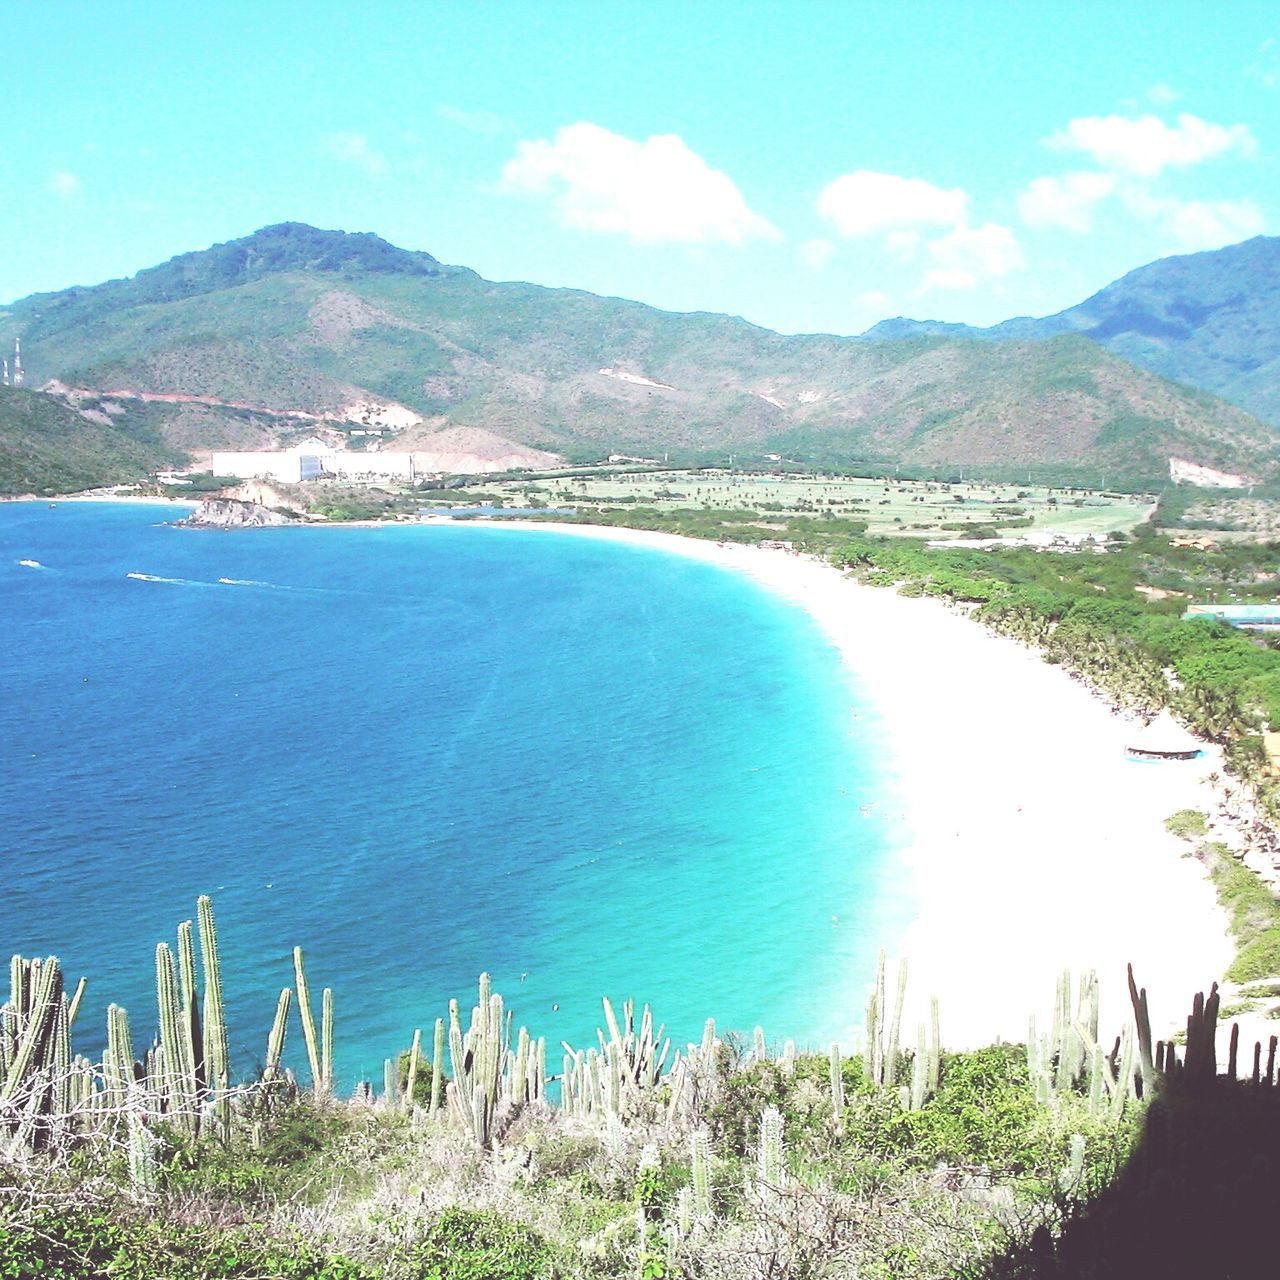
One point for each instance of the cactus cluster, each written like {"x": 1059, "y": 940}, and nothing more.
{"x": 486, "y": 1076}
{"x": 182, "y": 1079}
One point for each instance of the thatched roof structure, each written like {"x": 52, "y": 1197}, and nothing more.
{"x": 1163, "y": 739}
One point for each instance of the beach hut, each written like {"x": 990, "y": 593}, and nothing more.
{"x": 1162, "y": 739}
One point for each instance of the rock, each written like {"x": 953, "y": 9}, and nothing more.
{"x": 230, "y": 513}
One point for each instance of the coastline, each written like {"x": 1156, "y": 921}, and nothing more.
{"x": 1034, "y": 844}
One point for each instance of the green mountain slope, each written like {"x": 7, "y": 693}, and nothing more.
{"x": 293, "y": 318}
{"x": 48, "y": 446}
{"x": 1209, "y": 319}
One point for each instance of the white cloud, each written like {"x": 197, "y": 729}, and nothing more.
{"x": 652, "y": 191}
{"x": 1266, "y": 66}
{"x": 904, "y": 245}
{"x": 354, "y": 149}
{"x": 1068, "y": 201}
{"x": 864, "y": 202}
{"x": 872, "y": 300}
{"x": 64, "y": 185}
{"x": 483, "y": 122}
{"x": 1145, "y": 146}
{"x": 966, "y": 255}
{"x": 1192, "y": 225}
{"x": 1162, "y": 95}
{"x": 816, "y": 253}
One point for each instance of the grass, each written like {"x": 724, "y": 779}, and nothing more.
{"x": 1254, "y": 914}
{"x": 1189, "y": 824}
{"x": 891, "y": 506}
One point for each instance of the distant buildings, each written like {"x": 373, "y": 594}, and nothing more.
{"x": 312, "y": 459}
{"x": 1246, "y": 617}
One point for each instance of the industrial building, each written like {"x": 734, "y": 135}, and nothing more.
{"x": 312, "y": 460}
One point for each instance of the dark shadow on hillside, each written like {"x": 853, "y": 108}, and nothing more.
{"x": 1199, "y": 1196}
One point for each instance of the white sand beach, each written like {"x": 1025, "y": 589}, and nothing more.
{"x": 1035, "y": 844}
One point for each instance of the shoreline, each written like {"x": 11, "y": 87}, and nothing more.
{"x": 1034, "y": 844}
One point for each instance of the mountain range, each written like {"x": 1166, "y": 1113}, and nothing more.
{"x": 1208, "y": 319}
{"x": 294, "y": 330}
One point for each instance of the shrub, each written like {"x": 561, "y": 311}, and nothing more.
{"x": 467, "y": 1244}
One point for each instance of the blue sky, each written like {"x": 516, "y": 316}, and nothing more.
{"x": 809, "y": 166}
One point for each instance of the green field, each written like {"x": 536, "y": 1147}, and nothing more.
{"x": 915, "y": 508}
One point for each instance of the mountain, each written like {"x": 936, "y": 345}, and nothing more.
{"x": 1209, "y": 319}
{"x": 50, "y": 446}
{"x": 295, "y": 329}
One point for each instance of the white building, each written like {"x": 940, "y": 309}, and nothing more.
{"x": 369, "y": 466}
{"x": 286, "y": 466}
{"x": 313, "y": 458}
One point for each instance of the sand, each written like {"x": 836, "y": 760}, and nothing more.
{"x": 1033, "y": 844}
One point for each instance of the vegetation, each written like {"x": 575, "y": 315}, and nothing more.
{"x": 717, "y": 1161}
{"x": 48, "y": 447}
{"x": 1208, "y": 319}
{"x": 294, "y": 318}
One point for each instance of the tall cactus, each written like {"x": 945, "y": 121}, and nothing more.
{"x": 437, "y": 1067}
{"x": 215, "y": 1023}
{"x": 479, "y": 1062}
{"x": 319, "y": 1055}
{"x": 37, "y": 995}
{"x": 275, "y": 1041}
{"x": 771, "y": 1156}
{"x": 177, "y": 1083}
{"x": 192, "y": 1030}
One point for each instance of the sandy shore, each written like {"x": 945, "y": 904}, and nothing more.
{"x": 1034, "y": 844}
{"x": 122, "y": 498}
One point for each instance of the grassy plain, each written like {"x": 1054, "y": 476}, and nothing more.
{"x": 888, "y": 506}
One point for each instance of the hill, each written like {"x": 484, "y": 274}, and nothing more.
{"x": 1209, "y": 319}
{"x": 49, "y": 446}
{"x": 295, "y": 321}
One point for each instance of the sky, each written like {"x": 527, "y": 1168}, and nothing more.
{"x": 808, "y": 166}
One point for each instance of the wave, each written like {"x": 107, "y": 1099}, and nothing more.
{"x": 151, "y": 577}
{"x": 254, "y": 582}
{"x": 31, "y": 564}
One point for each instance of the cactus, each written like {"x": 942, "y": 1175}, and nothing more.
{"x": 700, "y": 1153}
{"x": 919, "y": 1071}
{"x": 411, "y": 1076}
{"x": 1142, "y": 1019}
{"x": 891, "y": 1055}
{"x": 215, "y": 1025}
{"x": 772, "y": 1155}
{"x": 177, "y": 1085}
{"x": 308, "y": 1019}
{"x": 275, "y": 1041}
{"x": 788, "y": 1060}
{"x": 37, "y": 999}
{"x": 118, "y": 1064}
{"x": 836, "y": 1077}
{"x": 437, "y": 1067}
{"x": 479, "y": 1062}
{"x": 74, "y": 1007}
{"x": 192, "y": 1031}
{"x": 326, "y": 1042}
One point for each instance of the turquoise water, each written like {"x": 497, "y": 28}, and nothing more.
{"x": 423, "y": 752}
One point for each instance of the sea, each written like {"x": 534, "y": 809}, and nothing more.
{"x": 584, "y": 767}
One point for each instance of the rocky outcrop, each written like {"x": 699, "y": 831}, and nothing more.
{"x": 230, "y": 513}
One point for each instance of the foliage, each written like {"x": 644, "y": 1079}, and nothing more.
{"x": 1254, "y": 913}
{"x": 468, "y": 1244}
{"x": 1187, "y": 824}
{"x": 47, "y": 447}
{"x": 79, "y": 1244}
{"x": 246, "y": 322}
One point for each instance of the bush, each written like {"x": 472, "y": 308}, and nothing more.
{"x": 1187, "y": 824}
{"x": 468, "y": 1244}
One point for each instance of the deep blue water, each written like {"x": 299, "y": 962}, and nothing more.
{"x": 423, "y": 752}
